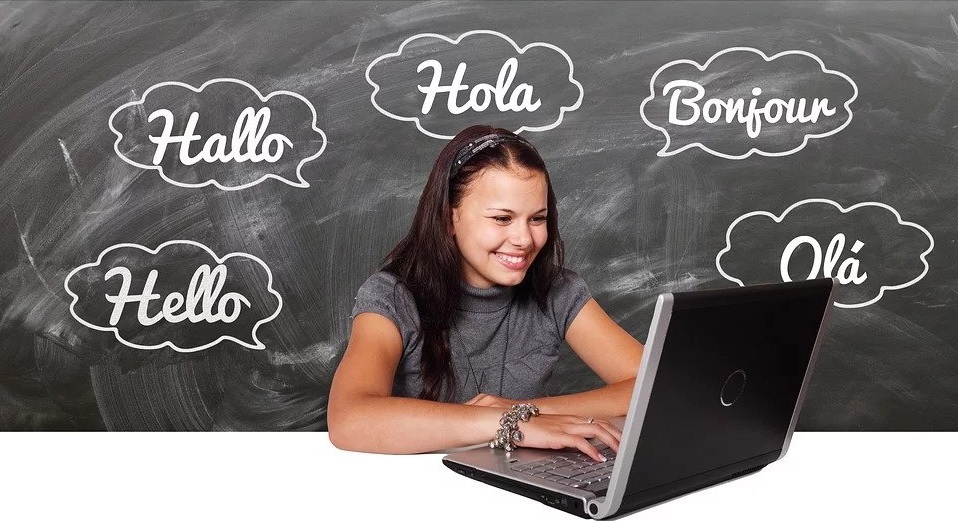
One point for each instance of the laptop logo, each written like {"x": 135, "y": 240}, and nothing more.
{"x": 733, "y": 388}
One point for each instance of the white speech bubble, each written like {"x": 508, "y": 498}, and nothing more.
{"x": 664, "y": 152}
{"x": 519, "y": 50}
{"x": 299, "y": 182}
{"x": 219, "y": 260}
{"x": 780, "y": 218}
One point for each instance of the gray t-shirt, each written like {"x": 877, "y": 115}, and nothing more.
{"x": 499, "y": 345}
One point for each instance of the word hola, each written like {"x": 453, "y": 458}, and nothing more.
{"x": 482, "y": 94}
{"x": 775, "y": 109}
{"x": 202, "y": 296}
{"x": 848, "y": 270}
{"x": 247, "y": 143}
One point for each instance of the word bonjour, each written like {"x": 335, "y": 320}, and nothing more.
{"x": 481, "y": 95}
{"x": 246, "y": 144}
{"x": 197, "y": 305}
{"x": 848, "y": 269}
{"x": 752, "y": 115}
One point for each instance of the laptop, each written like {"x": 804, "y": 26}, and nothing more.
{"x": 717, "y": 396}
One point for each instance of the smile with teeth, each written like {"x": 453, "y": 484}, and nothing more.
{"x": 511, "y": 261}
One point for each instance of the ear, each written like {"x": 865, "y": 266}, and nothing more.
{"x": 452, "y": 222}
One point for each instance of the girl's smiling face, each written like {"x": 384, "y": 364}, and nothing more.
{"x": 500, "y": 225}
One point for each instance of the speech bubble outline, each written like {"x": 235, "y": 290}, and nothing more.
{"x": 300, "y": 183}
{"x": 219, "y": 260}
{"x": 779, "y": 219}
{"x": 668, "y": 140}
{"x": 522, "y": 50}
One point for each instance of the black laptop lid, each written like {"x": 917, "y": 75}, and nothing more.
{"x": 731, "y": 370}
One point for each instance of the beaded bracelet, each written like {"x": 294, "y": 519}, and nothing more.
{"x": 508, "y": 434}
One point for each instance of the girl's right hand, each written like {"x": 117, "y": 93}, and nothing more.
{"x": 558, "y": 431}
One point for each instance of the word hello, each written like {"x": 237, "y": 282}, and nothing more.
{"x": 247, "y": 143}
{"x": 752, "y": 115}
{"x": 848, "y": 269}
{"x": 481, "y": 95}
{"x": 202, "y": 296}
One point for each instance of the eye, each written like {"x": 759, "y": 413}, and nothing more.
{"x": 502, "y": 219}
{"x": 539, "y": 219}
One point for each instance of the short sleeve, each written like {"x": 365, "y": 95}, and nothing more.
{"x": 568, "y": 295}
{"x": 376, "y": 295}
{"x": 384, "y": 295}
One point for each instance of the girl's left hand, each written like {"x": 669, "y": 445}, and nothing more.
{"x": 491, "y": 400}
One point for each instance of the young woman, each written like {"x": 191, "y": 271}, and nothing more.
{"x": 464, "y": 322}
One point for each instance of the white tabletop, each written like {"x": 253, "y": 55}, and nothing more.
{"x": 279, "y": 476}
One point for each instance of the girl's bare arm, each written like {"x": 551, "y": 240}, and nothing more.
{"x": 363, "y": 416}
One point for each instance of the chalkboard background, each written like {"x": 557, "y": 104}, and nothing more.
{"x": 636, "y": 220}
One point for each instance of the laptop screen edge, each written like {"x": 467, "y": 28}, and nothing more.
{"x": 652, "y": 353}
{"x": 819, "y": 340}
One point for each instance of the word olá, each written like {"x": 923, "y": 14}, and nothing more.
{"x": 848, "y": 269}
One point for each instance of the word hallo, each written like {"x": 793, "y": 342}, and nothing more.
{"x": 481, "y": 95}
{"x": 247, "y": 143}
{"x": 774, "y": 110}
{"x": 202, "y": 296}
{"x": 848, "y": 270}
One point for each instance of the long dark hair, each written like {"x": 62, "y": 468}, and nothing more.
{"x": 426, "y": 261}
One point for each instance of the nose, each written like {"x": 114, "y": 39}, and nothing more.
{"x": 521, "y": 236}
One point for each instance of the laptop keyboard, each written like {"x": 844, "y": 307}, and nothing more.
{"x": 573, "y": 469}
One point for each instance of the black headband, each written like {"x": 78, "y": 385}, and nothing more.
{"x": 477, "y": 145}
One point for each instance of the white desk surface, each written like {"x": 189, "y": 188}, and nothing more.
{"x": 285, "y": 476}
